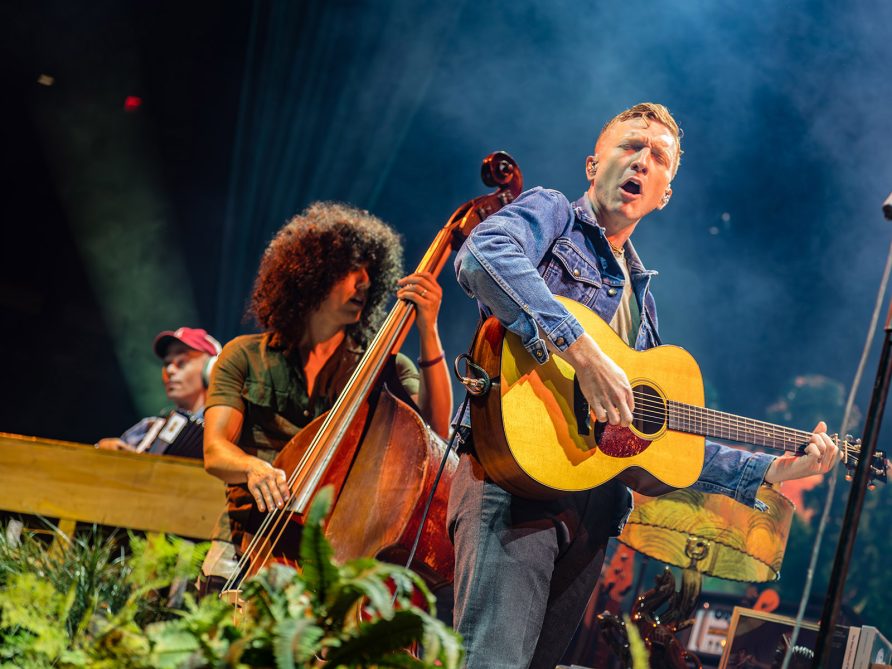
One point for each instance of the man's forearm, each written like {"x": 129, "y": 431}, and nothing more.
{"x": 227, "y": 461}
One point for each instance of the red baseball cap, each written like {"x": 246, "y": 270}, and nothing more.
{"x": 194, "y": 338}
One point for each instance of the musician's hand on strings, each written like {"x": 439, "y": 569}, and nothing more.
{"x": 113, "y": 444}
{"x": 820, "y": 455}
{"x": 225, "y": 460}
{"x": 604, "y": 385}
{"x": 267, "y": 485}
{"x": 422, "y": 289}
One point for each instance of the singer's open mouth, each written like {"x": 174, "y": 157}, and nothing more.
{"x": 631, "y": 186}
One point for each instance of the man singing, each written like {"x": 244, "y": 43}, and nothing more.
{"x": 525, "y": 569}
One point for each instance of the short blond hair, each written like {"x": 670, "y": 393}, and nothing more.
{"x": 649, "y": 111}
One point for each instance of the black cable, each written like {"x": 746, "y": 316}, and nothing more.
{"x": 476, "y": 387}
{"x": 430, "y": 497}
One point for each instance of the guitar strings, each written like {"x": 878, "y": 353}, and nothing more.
{"x": 710, "y": 422}
{"x": 712, "y": 416}
{"x": 702, "y": 418}
{"x": 737, "y": 429}
{"x": 690, "y": 414}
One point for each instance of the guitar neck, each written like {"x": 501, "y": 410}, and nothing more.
{"x": 720, "y": 425}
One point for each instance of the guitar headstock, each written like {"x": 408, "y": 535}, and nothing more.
{"x": 851, "y": 455}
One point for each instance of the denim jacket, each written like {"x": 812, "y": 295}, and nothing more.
{"x": 541, "y": 244}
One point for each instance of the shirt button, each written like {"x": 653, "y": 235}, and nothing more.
{"x": 306, "y": 412}
{"x": 611, "y": 292}
{"x": 575, "y": 272}
{"x": 559, "y": 341}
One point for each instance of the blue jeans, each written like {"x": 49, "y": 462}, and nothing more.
{"x": 525, "y": 569}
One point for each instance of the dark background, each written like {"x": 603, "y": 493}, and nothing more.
{"x": 119, "y": 224}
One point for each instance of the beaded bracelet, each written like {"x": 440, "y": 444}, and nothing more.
{"x": 430, "y": 363}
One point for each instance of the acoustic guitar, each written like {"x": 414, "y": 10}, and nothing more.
{"x": 535, "y": 436}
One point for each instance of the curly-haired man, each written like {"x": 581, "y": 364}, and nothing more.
{"x": 322, "y": 289}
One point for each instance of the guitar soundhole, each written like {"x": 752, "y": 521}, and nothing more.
{"x": 649, "y": 416}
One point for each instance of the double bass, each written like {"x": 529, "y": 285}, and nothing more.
{"x": 373, "y": 448}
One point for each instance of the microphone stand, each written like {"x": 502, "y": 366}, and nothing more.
{"x": 859, "y": 487}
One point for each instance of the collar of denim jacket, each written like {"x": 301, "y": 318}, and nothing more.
{"x": 586, "y": 213}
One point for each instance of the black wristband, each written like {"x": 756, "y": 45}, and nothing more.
{"x": 430, "y": 363}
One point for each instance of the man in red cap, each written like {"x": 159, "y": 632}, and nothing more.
{"x": 186, "y": 354}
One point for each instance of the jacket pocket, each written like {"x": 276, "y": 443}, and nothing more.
{"x": 572, "y": 273}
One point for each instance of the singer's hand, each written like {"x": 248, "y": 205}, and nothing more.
{"x": 603, "y": 383}
{"x": 819, "y": 457}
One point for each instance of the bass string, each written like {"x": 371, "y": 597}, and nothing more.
{"x": 275, "y": 521}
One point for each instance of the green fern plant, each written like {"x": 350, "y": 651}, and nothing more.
{"x": 359, "y": 614}
{"x": 98, "y": 608}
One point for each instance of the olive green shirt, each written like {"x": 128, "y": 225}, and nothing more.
{"x": 270, "y": 390}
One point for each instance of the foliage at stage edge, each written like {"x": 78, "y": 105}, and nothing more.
{"x": 309, "y": 619}
{"x": 289, "y": 619}
{"x": 89, "y": 605}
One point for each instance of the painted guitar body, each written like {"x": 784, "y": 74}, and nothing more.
{"x": 533, "y": 433}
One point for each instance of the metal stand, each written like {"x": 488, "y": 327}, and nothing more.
{"x": 856, "y": 497}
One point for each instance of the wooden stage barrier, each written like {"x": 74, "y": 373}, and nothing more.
{"x": 79, "y": 483}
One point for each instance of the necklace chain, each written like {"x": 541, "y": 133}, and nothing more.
{"x": 619, "y": 252}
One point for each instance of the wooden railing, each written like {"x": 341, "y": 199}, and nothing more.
{"x": 78, "y": 483}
